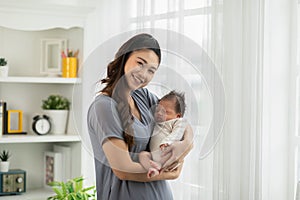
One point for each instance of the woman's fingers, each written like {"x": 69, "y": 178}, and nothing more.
{"x": 173, "y": 159}
{"x": 178, "y": 149}
{"x": 174, "y": 166}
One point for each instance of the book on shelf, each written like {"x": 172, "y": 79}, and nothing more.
{"x": 52, "y": 167}
{"x": 3, "y": 118}
{"x": 66, "y": 160}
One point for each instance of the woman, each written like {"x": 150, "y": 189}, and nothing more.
{"x": 120, "y": 125}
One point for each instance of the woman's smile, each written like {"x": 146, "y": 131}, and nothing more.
{"x": 137, "y": 79}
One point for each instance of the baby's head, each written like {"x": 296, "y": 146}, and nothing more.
{"x": 170, "y": 106}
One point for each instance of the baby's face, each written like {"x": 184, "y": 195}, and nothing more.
{"x": 165, "y": 111}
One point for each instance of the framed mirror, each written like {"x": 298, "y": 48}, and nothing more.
{"x": 51, "y": 56}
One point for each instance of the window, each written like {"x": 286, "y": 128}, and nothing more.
{"x": 192, "y": 18}
{"x": 200, "y": 21}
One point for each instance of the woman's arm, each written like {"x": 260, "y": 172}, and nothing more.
{"x": 118, "y": 156}
{"x": 142, "y": 177}
{"x": 124, "y": 168}
{"x": 179, "y": 149}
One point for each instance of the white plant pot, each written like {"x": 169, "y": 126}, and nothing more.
{"x": 58, "y": 119}
{"x": 4, "y": 166}
{"x": 4, "y": 71}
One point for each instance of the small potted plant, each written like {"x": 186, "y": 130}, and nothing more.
{"x": 72, "y": 189}
{"x": 4, "y": 163}
{"x": 3, "y": 67}
{"x": 56, "y": 107}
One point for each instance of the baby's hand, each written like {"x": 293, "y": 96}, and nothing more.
{"x": 163, "y": 146}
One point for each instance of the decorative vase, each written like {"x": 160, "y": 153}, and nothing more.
{"x": 58, "y": 119}
{"x": 4, "y": 166}
{"x": 69, "y": 67}
{"x": 4, "y": 71}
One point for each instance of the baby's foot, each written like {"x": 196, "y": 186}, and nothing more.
{"x": 156, "y": 165}
{"x": 152, "y": 172}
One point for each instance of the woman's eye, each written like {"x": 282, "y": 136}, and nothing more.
{"x": 140, "y": 63}
{"x": 151, "y": 71}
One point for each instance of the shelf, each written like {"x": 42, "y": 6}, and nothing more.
{"x": 33, "y": 194}
{"x": 51, "y": 80}
{"x": 9, "y": 139}
{"x": 25, "y": 87}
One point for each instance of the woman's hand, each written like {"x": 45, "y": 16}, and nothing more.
{"x": 168, "y": 175}
{"x": 178, "y": 150}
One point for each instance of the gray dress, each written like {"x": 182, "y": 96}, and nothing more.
{"x": 103, "y": 123}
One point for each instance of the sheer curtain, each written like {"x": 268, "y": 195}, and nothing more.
{"x": 202, "y": 23}
{"x": 232, "y": 37}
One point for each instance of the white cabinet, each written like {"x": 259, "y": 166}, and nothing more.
{"x": 22, "y": 26}
{"x": 25, "y": 93}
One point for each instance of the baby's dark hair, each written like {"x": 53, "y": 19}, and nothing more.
{"x": 180, "y": 101}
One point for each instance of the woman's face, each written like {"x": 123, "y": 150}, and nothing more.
{"x": 140, "y": 68}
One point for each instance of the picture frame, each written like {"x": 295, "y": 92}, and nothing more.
{"x": 15, "y": 122}
{"x": 52, "y": 167}
{"x": 51, "y": 50}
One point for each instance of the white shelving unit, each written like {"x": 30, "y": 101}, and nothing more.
{"x": 22, "y": 25}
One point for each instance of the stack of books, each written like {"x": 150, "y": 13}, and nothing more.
{"x": 57, "y": 164}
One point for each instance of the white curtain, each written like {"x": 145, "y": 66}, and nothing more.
{"x": 243, "y": 44}
{"x": 256, "y": 76}
{"x": 237, "y": 37}
{"x": 200, "y": 21}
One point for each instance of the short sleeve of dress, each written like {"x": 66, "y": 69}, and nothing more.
{"x": 153, "y": 99}
{"x": 144, "y": 93}
{"x": 104, "y": 118}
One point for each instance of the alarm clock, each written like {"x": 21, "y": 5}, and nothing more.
{"x": 41, "y": 124}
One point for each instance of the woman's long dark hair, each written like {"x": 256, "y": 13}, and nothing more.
{"x": 115, "y": 80}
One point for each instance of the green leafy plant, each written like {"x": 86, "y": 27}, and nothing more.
{"x": 4, "y": 156}
{"x": 72, "y": 190}
{"x": 3, "y": 62}
{"x": 56, "y": 102}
